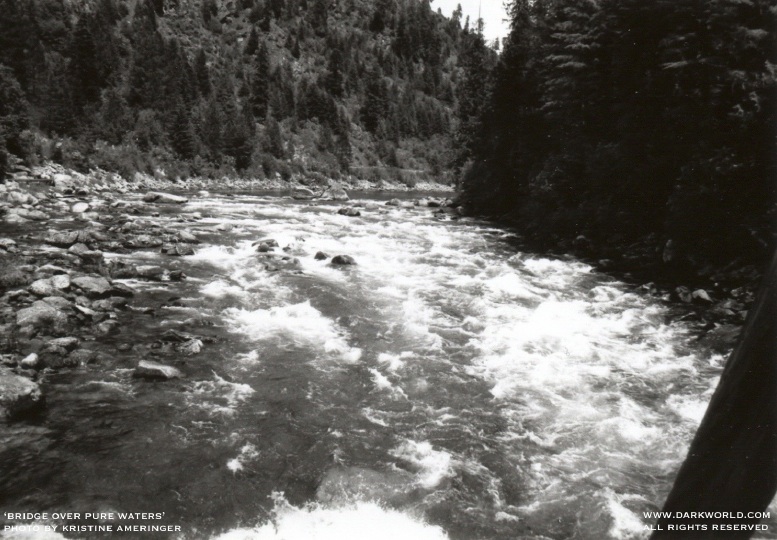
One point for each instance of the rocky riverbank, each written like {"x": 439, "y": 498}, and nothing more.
{"x": 63, "y": 304}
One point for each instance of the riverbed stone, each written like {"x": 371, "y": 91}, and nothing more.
{"x": 31, "y": 361}
{"x": 108, "y": 328}
{"x": 147, "y": 369}
{"x": 321, "y": 256}
{"x": 350, "y": 212}
{"x": 302, "y": 193}
{"x": 187, "y": 238}
{"x": 61, "y": 238}
{"x": 343, "y": 260}
{"x": 79, "y": 207}
{"x": 6, "y": 244}
{"x": 335, "y": 193}
{"x": 42, "y": 315}
{"x": 58, "y": 302}
{"x": 164, "y": 198}
{"x": 177, "y": 250}
{"x": 92, "y": 286}
{"x": 18, "y": 395}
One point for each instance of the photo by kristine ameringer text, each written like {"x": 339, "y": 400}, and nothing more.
{"x": 53, "y": 522}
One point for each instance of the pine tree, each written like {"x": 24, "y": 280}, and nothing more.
{"x": 260, "y": 83}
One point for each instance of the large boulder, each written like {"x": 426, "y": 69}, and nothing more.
{"x": 349, "y": 211}
{"x": 343, "y": 260}
{"x": 17, "y": 396}
{"x": 53, "y": 286}
{"x": 165, "y": 198}
{"x": 302, "y": 193}
{"x": 335, "y": 193}
{"x": 61, "y": 238}
{"x": 93, "y": 286}
{"x": 147, "y": 369}
{"x": 42, "y": 315}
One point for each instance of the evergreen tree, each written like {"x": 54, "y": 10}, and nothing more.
{"x": 260, "y": 83}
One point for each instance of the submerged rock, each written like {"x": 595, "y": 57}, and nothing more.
{"x": 18, "y": 395}
{"x": 147, "y": 369}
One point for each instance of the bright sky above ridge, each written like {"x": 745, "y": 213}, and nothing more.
{"x": 492, "y": 11}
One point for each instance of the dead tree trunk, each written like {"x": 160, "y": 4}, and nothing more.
{"x": 731, "y": 465}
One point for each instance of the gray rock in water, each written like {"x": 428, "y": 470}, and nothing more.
{"x": 40, "y": 315}
{"x": 31, "y": 361}
{"x": 302, "y": 193}
{"x": 91, "y": 286}
{"x": 108, "y": 328}
{"x": 147, "y": 369}
{"x": 79, "y": 207}
{"x": 52, "y": 286}
{"x": 700, "y": 295}
{"x": 350, "y": 212}
{"x": 66, "y": 344}
{"x": 321, "y": 256}
{"x": 165, "y": 198}
{"x": 18, "y": 396}
{"x": 149, "y": 272}
{"x": 187, "y": 237}
{"x": 58, "y": 302}
{"x": 81, "y": 357}
{"x": 190, "y": 348}
{"x": 6, "y": 244}
{"x": 61, "y": 239}
{"x": 335, "y": 193}
{"x": 345, "y": 260}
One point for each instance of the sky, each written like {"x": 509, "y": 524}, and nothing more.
{"x": 492, "y": 11}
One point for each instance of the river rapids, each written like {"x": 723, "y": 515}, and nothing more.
{"x": 447, "y": 386}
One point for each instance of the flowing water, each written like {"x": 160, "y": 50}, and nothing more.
{"x": 448, "y": 386}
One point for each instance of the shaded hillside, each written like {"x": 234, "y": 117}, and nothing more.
{"x": 626, "y": 121}
{"x": 260, "y": 87}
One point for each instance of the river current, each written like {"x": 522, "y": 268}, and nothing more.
{"x": 447, "y": 386}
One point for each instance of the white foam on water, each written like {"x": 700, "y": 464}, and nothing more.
{"x": 626, "y": 525}
{"x": 219, "y": 396}
{"x": 301, "y": 323}
{"x": 382, "y": 382}
{"x": 221, "y": 289}
{"x": 432, "y": 466}
{"x": 349, "y": 522}
{"x": 247, "y": 453}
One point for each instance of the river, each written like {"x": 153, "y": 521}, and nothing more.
{"x": 447, "y": 386}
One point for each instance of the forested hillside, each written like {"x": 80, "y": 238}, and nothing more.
{"x": 627, "y": 121}
{"x": 259, "y": 88}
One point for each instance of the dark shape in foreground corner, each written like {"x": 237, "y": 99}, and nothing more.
{"x": 732, "y": 462}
